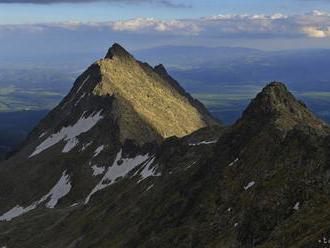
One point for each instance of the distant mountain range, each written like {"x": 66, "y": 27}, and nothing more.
{"x": 219, "y": 65}
{"x": 225, "y": 79}
{"x": 130, "y": 159}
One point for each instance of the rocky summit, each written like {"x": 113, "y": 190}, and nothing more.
{"x": 129, "y": 159}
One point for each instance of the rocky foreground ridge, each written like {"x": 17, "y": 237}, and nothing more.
{"x": 129, "y": 159}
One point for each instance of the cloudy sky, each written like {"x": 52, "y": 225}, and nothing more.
{"x": 78, "y": 25}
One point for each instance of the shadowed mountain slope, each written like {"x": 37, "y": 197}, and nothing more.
{"x": 263, "y": 182}
{"x": 117, "y": 107}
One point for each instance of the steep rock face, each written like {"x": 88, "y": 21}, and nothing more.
{"x": 118, "y": 109}
{"x": 276, "y": 105}
{"x": 271, "y": 117}
{"x": 161, "y": 70}
{"x": 263, "y": 182}
{"x": 277, "y": 163}
{"x": 158, "y": 102}
{"x": 145, "y": 106}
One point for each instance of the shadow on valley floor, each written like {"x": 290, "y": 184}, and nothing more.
{"x": 14, "y": 127}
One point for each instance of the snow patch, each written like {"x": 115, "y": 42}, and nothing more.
{"x": 98, "y": 150}
{"x": 62, "y": 188}
{"x": 71, "y": 143}
{"x": 205, "y": 142}
{"x": 69, "y": 134}
{"x": 190, "y": 165}
{"x": 296, "y": 206}
{"x": 83, "y": 83}
{"x": 43, "y": 134}
{"x": 234, "y": 162}
{"x": 148, "y": 171}
{"x": 78, "y": 101}
{"x": 86, "y": 145}
{"x": 98, "y": 170}
{"x": 15, "y": 212}
{"x": 249, "y": 185}
{"x": 150, "y": 187}
{"x": 120, "y": 168}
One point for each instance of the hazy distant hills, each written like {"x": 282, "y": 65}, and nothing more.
{"x": 225, "y": 79}
{"x": 195, "y": 56}
{"x": 241, "y": 65}
{"x": 205, "y": 66}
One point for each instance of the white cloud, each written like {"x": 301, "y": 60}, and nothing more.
{"x": 315, "y": 24}
{"x": 275, "y": 16}
{"x": 319, "y": 13}
{"x": 316, "y": 32}
{"x": 133, "y": 24}
{"x": 151, "y": 24}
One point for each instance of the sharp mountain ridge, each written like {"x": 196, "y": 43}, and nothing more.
{"x": 129, "y": 159}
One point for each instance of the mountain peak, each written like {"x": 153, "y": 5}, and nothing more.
{"x": 276, "y": 104}
{"x": 144, "y": 104}
{"x": 276, "y": 85}
{"x": 117, "y": 51}
{"x": 275, "y": 97}
{"x": 160, "y": 69}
